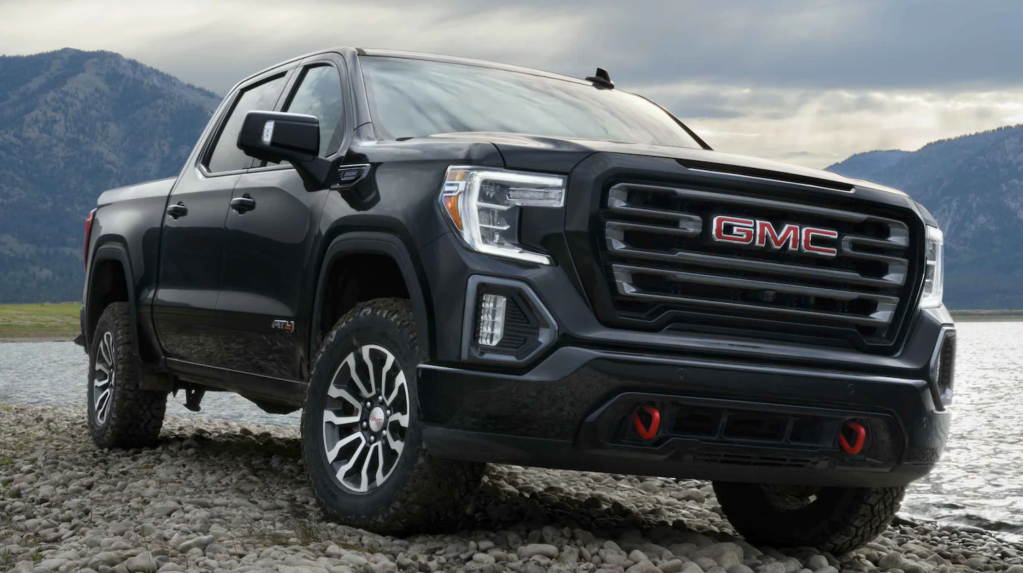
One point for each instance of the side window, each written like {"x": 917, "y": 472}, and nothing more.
{"x": 226, "y": 156}
{"x": 319, "y": 95}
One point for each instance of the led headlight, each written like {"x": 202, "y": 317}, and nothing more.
{"x": 483, "y": 204}
{"x": 934, "y": 271}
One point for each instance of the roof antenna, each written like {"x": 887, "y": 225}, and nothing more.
{"x": 602, "y": 80}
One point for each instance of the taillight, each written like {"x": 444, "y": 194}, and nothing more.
{"x": 88, "y": 232}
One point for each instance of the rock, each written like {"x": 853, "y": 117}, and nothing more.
{"x": 196, "y": 543}
{"x": 569, "y": 555}
{"x": 672, "y": 566}
{"x": 705, "y": 563}
{"x": 740, "y": 568}
{"x": 644, "y": 566}
{"x": 776, "y": 567}
{"x": 548, "y": 551}
{"x": 52, "y": 564}
{"x": 165, "y": 509}
{"x": 333, "y": 551}
{"x": 724, "y": 554}
{"x": 691, "y": 567}
{"x": 141, "y": 564}
{"x": 170, "y": 568}
{"x": 817, "y": 562}
{"x": 483, "y": 558}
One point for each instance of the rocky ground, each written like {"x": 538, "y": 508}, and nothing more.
{"x": 219, "y": 496}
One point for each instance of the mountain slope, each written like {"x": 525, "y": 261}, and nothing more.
{"x": 863, "y": 165}
{"x": 974, "y": 187}
{"x": 73, "y": 124}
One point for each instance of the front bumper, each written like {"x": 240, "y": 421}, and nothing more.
{"x": 570, "y": 406}
{"x": 573, "y": 411}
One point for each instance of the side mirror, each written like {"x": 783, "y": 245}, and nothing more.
{"x": 292, "y": 137}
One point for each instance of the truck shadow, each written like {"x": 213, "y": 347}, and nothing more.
{"x": 267, "y": 468}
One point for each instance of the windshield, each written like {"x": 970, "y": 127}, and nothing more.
{"x": 413, "y": 98}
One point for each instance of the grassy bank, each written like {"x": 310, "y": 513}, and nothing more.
{"x": 39, "y": 321}
{"x": 988, "y": 315}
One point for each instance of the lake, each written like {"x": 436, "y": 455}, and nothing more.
{"x": 978, "y": 481}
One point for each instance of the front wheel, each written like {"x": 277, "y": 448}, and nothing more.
{"x": 361, "y": 441}
{"x": 834, "y": 519}
{"x": 120, "y": 414}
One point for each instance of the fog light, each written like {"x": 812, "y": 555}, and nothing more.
{"x": 492, "y": 310}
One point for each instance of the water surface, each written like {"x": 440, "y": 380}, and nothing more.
{"x": 978, "y": 482}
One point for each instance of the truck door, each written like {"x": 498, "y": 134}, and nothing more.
{"x": 272, "y": 239}
{"x": 191, "y": 243}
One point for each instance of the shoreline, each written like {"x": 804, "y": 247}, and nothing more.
{"x": 222, "y": 496}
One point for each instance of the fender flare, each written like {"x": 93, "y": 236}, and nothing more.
{"x": 375, "y": 243}
{"x": 108, "y": 252}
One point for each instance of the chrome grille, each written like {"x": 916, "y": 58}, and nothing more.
{"x": 659, "y": 257}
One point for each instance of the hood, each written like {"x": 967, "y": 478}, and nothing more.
{"x": 561, "y": 155}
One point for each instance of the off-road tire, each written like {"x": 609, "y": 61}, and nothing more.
{"x": 134, "y": 416}
{"x": 423, "y": 493}
{"x": 839, "y": 519}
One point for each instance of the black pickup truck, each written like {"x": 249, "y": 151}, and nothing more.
{"x": 447, "y": 262}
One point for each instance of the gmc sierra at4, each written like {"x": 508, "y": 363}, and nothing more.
{"x": 446, "y": 262}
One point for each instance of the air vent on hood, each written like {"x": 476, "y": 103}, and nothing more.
{"x": 765, "y": 174}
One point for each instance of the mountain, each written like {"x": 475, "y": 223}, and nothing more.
{"x": 973, "y": 185}
{"x": 863, "y": 165}
{"x": 73, "y": 124}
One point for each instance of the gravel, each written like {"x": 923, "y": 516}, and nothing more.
{"x": 222, "y": 496}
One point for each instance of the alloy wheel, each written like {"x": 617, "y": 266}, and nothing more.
{"x": 104, "y": 378}
{"x": 366, "y": 419}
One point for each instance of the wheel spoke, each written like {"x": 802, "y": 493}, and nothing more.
{"x": 380, "y": 464}
{"x": 383, "y": 374}
{"x": 365, "y": 468}
{"x": 101, "y": 404}
{"x": 396, "y": 445}
{"x": 104, "y": 351}
{"x": 331, "y": 417}
{"x": 341, "y": 473}
{"x": 399, "y": 383}
{"x": 335, "y": 392}
{"x": 400, "y": 418}
{"x": 332, "y": 453}
{"x": 372, "y": 370}
{"x": 350, "y": 361}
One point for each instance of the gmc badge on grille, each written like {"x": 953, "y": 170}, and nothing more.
{"x": 762, "y": 234}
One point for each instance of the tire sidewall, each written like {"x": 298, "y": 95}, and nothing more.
{"x": 357, "y": 331}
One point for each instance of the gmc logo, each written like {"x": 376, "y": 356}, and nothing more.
{"x": 762, "y": 234}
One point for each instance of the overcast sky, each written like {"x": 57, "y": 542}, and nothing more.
{"x": 806, "y": 81}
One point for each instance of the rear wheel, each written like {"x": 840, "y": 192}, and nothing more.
{"x": 120, "y": 414}
{"x": 361, "y": 442}
{"x": 834, "y": 519}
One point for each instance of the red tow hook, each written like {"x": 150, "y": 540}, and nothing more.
{"x": 860, "y": 434}
{"x": 655, "y": 423}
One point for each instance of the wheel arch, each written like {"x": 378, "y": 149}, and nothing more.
{"x": 109, "y": 280}
{"x": 378, "y": 244}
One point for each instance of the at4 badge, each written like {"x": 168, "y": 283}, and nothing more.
{"x": 287, "y": 325}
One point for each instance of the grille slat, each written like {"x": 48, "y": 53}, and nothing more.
{"x": 660, "y": 257}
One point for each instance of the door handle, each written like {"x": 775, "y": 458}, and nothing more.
{"x": 243, "y": 204}
{"x": 178, "y": 210}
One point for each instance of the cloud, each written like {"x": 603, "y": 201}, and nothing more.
{"x": 806, "y": 80}
{"x": 819, "y": 127}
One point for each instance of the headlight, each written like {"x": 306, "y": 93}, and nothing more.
{"x": 483, "y": 204}
{"x": 934, "y": 273}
